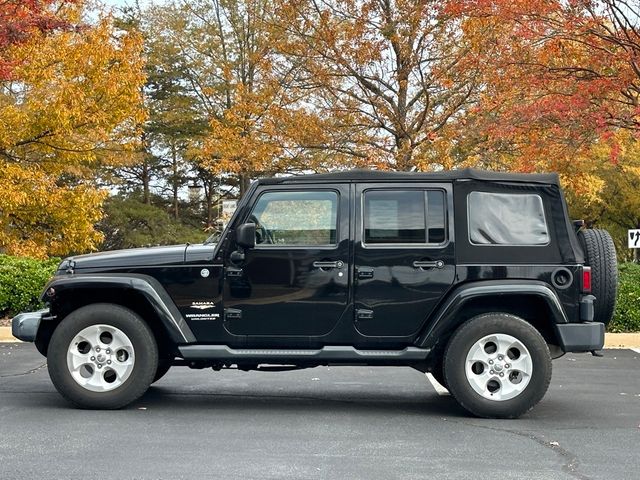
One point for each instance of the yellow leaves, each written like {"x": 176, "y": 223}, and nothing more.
{"x": 242, "y": 139}
{"x": 74, "y": 103}
{"x": 79, "y": 87}
{"x": 586, "y": 186}
{"x": 39, "y": 218}
{"x": 74, "y": 91}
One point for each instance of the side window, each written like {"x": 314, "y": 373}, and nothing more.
{"x": 404, "y": 217}
{"x": 296, "y": 218}
{"x": 506, "y": 219}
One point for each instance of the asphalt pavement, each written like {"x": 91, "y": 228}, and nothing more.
{"x": 321, "y": 423}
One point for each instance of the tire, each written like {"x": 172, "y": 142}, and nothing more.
{"x": 85, "y": 370}
{"x": 164, "y": 364}
{"x": 475, "y": 388}
{"x": 600, "y": 255}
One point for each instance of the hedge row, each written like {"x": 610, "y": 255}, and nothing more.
{"x": 626, "y": 317}
{"x": 22, "y": 280}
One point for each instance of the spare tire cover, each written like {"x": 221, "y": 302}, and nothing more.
{"x": 600, "y": 255}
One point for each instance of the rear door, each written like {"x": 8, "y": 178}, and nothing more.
{"x": 403, "y": 256}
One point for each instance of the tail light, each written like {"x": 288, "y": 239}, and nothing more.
{"x": 586, "y": 279}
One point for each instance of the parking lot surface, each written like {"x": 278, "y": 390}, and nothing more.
{"x": 337, "y": 423}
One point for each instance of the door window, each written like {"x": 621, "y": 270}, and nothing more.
{"x": 296, "y": 218}
{"x": 393, "y": 217}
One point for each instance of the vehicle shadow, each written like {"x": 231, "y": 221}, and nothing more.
{"x": 367, "y": 404}
{"x": 290, "y": 400}
{"x": 370, "y": 400}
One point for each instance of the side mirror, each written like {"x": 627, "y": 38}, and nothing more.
{"x": 246, "y": 235}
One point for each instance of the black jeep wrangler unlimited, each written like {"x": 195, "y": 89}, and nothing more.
{"x": 477, "y": 277}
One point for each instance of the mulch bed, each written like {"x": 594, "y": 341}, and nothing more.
{"x": 5, "y": 322}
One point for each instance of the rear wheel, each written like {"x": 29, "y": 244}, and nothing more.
{"x": 102, "y": 356}
{"x": 600, "y": 255}
{"x": 497, "y": 365}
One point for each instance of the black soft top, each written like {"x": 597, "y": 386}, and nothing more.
{"x": 563, "y": 248}
{"x": 443, "y": 176}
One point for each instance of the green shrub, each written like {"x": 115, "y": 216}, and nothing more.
{"x": 22, "y": 281}
{"x": 626, "y": 317}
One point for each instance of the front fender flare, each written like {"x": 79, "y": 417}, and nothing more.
{"x": 147, "y": 286}
{"x": 446, "y": 315}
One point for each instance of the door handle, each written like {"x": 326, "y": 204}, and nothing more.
{"x": 232, "y": 314}
{"x": 363, "y": 314}
{"x": 336, "y": 264}
{"x": 428, "y": 264}
{"x": 234, "y": 272}
{"x": 365, "y": 272}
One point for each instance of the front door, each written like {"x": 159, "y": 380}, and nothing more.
{"x": 404, "y": 256}
{"x": 295, "y": 282}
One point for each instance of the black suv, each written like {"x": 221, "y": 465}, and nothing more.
{"x": 477, "y": 277}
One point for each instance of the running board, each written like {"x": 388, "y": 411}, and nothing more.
{"x": 330, "y": 354}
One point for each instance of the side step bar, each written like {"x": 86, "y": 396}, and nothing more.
{"x": 328, "y": 354}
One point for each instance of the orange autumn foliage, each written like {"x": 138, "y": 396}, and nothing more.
{"x": 70, "y": 105}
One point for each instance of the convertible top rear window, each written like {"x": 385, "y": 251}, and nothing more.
{"x": 507, "y": 219}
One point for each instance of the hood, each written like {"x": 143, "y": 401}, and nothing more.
{"x": 133, "y": 257}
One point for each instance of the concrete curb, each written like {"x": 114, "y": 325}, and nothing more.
{"x": 622, "y": 340}
{"x": 612, "y": 340}
{"x": 5, "y": 335}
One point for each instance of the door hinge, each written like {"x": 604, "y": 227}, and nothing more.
{"x": 363, "y": 314}
{"x": 232, "y": 314}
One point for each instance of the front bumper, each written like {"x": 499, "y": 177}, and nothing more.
{"x": 25, "y": 325}
{"x": 581, "y": 337}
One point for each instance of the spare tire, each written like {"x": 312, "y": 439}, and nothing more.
{"x": 600, "y": 255}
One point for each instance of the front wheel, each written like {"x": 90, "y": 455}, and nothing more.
{"x": 497, "y": 366}
{"x": 102, "y": 356}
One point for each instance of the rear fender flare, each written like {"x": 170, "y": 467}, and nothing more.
{"x": 447, "y": 315}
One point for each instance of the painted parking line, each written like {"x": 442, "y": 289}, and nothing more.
{"x": 637, "y": 350}
{"x": 440, "y": 390}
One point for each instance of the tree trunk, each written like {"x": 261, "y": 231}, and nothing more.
{"x": 146, "y": 170}
{"x": 209, "y": 210}
{"x": 404, "y": 154}
{"x": 208, "y": 198}
{"x": 146, "y": 179}
{"x": 245, "y": 182}
{"x": 175, "y": 181}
